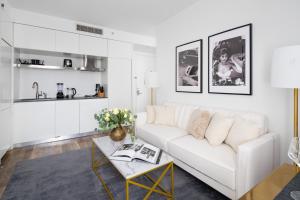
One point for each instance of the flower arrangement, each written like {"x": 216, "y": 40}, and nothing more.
{"x": 113, "y": 118}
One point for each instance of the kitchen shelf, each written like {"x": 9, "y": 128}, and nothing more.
{"x": 53, "y": 67}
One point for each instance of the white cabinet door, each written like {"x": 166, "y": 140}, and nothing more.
{"x": 31, "y": 37}
{"x": 92, "y": 46}
{"x": 119, "y": 83}
{"x": 88, "y": 108}
{"x": 6, "y": 131}
{"x": 66, "y": 118}
{"x": 5, "y": 74}
{"x": 117, "y": 49}
{"x": 67, "y": 42}
{"x": 6, "y": 27}
{"x": 33, "y": 121}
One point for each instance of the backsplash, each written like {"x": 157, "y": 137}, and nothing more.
{"x": 83, "y": 81}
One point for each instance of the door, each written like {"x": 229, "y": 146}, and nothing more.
{"x": 5, "y": 131}
{"x": 31, "y": 37}
{"x": 5, "y": 74}
{"x": 66, "y": 118}
{"x": 88, "y": 109}
{"x": 119, "y": 83}
{"x": 33, "y": 121}
{"x": 93, "y": 46}
{"x": 66, "y": 42}
{"x": 142, "y": 63}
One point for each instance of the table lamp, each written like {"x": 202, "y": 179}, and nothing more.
{"x": 286, "y": 74}
{"x": 152, "y": 83}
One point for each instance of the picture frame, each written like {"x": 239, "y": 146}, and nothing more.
{"x": 230, "y": 61}
{"x": 188, "y": 73}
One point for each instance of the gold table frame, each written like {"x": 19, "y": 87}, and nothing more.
{"x": 169, "y": 167}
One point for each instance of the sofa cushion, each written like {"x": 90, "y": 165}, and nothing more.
{"x": 165, "y": 115}
{"x": 242, "y": 131}
{"x": 218, "y": 129}
{"x": 216, "y": 162}
{"x": 198, "y": 123}
{"x": 159, "y": 135}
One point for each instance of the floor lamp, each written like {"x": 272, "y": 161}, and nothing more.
{"x": 152, "y": 83}
{"x": 286, "y": 74}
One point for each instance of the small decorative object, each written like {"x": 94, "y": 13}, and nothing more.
{"x": 115, "y": 120}
{"x": 131, "y": 131}
{"x": 189, "y": 67}
{"x": 229, "y": 61}
{"x": 101, "y": 92}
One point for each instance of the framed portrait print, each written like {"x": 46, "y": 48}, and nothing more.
{"x": 229, "y": 61}
{"x": 189, "y": 67}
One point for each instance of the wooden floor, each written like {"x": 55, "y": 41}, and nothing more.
{"x": 36, "y": 151}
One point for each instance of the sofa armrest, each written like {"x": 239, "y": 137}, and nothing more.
{"x": 255, "y": 160}
{"x": 141, "y": 118}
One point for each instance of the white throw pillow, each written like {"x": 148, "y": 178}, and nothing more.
{"x": 165, "y": 115}
{"x": 218, "y": 129}
{"x": 150, "y": 114}
{"x": 242, "y": 131}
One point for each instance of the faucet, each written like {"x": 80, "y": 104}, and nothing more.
{"x": 35, "y": 86}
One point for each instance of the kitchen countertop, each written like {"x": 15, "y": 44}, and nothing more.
{"x": 55, "y": 99}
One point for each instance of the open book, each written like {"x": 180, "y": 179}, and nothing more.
{"x": 141, "y": 151}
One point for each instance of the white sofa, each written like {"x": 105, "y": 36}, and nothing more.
{"x": 231, "y": 173}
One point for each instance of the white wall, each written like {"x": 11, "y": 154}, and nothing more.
{"x": 275, "y": 24}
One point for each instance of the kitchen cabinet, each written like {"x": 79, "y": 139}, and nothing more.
{"x": 94, "y": 46}
{"x": 31, "y": 37}
{"x": 66, "y": 42}
{"x": 33, "y": 121}
{"x": 119, "y": 83}
{"x": 66, "y": 118}
{"x": 117, "y": 49}
{"x": 5, "y": 74}
{"x": 6, "y": 27}
{"x": 6, "y": 132}
{"x": 88, "y": 108}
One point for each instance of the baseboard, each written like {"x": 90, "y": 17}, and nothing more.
{"x": 55, "y": 139}
{"x": 3, "y": 151}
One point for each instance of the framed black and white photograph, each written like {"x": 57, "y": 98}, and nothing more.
{"x": 189, "y": 67}
{"x": 229, "y": 61}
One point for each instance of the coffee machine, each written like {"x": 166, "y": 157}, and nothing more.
{"x": 60, "y": 91}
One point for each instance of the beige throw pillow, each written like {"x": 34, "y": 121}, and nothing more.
{"x": 242, "y": 131}
{"x": 198, "y": 123}
{"x": 165, "y": 115}
{"x": 150, "y": 114}
{"x": 218, "y": 129}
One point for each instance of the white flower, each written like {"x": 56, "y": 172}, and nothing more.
{"x": 107, "y": 119}
{"x": 125, "y": 110}
{"x": 116, "y": 111}
{"x": 125, "y": 116}
{"x": 107, "y": 115}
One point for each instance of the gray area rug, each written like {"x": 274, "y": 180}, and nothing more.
{"x": 69, "y": 176}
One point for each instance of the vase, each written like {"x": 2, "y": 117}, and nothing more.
{"x": 118, "y": 133}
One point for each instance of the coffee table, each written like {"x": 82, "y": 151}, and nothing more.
{"x": 134, "y": 169}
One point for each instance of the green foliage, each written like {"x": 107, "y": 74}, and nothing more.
{"x": 109, "y": 119}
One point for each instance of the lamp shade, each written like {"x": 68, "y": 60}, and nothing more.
{"x": 152, "y": 80}
{"x": 286, "y": 67}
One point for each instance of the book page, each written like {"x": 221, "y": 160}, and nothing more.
{"x": 125, "y": 150}
{"x": 148, "y": 153}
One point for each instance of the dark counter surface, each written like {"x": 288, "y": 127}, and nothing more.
{"x": 55, "y": 99}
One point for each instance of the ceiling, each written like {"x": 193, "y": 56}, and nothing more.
{"x": 138, "y": 16}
